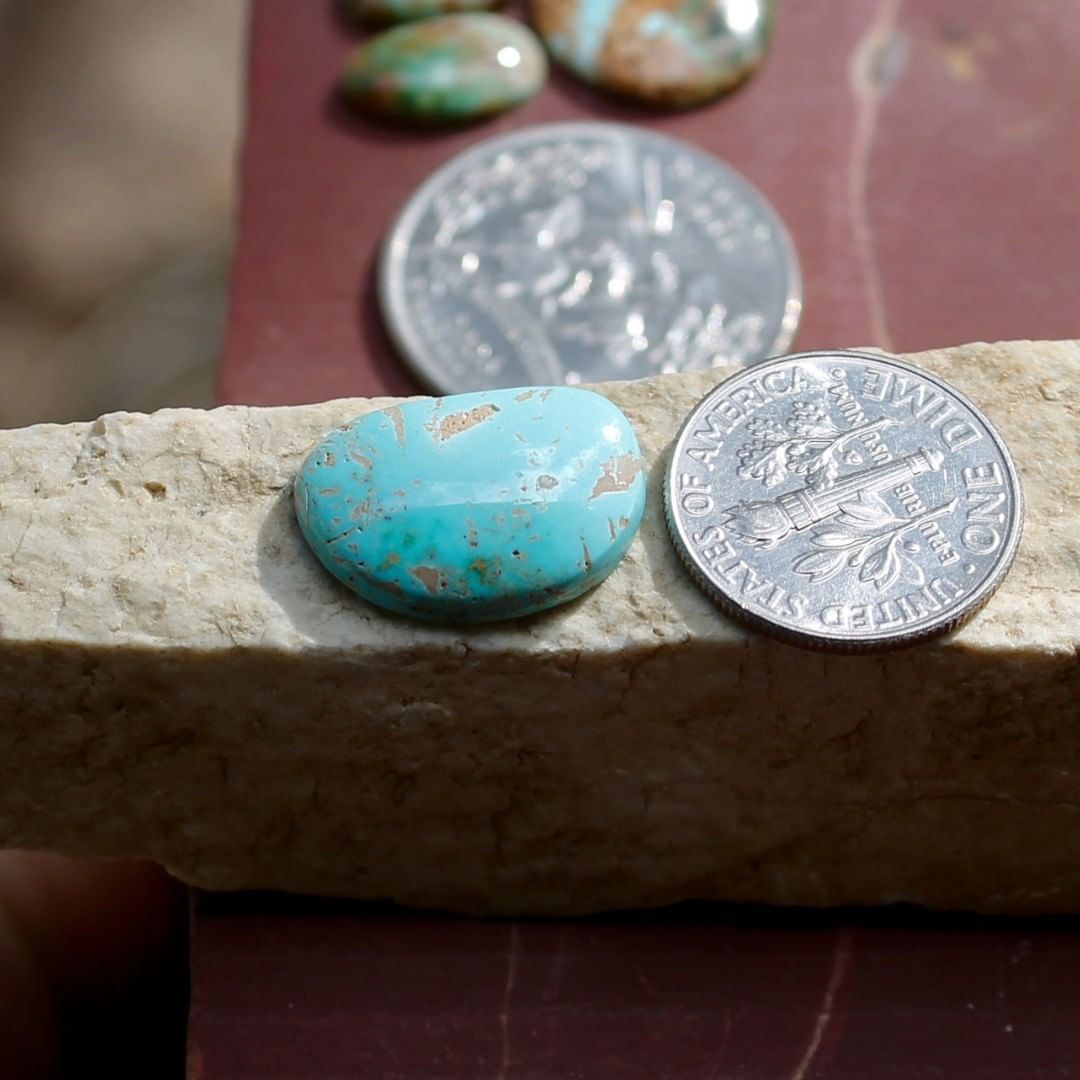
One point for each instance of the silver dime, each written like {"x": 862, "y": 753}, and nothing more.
{"x": 843, "y": 500}
{"x": 583, "y": 252}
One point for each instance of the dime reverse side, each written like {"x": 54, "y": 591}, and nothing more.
{"x": 581, "y": 252}
{"x": 843, "y": 500}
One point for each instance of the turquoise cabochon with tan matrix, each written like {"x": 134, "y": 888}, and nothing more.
{"x": 475, "y": 507}
{"x": 664, "y": 52}
{"x": 447, "y": 70}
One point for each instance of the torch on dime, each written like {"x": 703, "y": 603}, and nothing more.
{"x": 843, "y": 500}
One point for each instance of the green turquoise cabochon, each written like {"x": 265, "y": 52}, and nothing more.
{"x": 447, "y": 70}
{"x": 475, "y": 507}
{"x": 665, "y": 52}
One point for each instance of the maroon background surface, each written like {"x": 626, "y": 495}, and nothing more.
{"x": 285, "y": 988}
{"x": 923, "y": 154}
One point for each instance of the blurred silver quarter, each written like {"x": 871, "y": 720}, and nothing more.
{"x": 843, "y": 500}
{"x": 583, "y": 252}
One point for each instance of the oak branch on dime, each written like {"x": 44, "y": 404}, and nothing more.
{"x": 807, "y": 444}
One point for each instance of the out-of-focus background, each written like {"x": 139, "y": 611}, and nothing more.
{"x": 119, "y": 128}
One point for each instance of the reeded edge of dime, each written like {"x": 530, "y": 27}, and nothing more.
{"x": 833, "y": 642}
{"x": 389, "y": 275}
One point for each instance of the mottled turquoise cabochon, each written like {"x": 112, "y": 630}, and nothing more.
{"x": 449, "y": 69}
{"x": 667, "y": 52}
{"x": 475, "y": 507}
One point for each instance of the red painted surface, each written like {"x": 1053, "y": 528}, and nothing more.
{"x": 923, "y": 154}
{"x": 288, "y": 989}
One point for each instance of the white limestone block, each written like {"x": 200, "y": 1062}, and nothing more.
{"x": 180, "y": 679}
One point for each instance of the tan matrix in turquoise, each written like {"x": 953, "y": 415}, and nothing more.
{"x": 389, "y": 12}
{"x": 446, "y": 70}
{"x": 475, "y": 507}
{"x": 666, "y": 52}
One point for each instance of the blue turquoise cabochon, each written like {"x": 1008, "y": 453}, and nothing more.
{"x": 475, "y": 507}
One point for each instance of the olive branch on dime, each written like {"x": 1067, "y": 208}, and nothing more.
{"x": 866, "y": 535}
